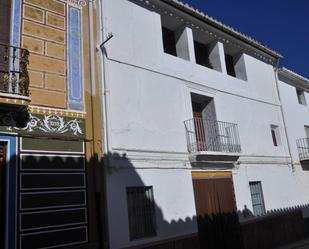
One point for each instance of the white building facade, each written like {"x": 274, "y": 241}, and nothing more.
{"x": 192, "y": 111}
{"x": 293, "y": 89}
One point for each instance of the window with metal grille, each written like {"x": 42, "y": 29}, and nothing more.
{"x": 141, "y": 212}
{"x": 257, "y": 198}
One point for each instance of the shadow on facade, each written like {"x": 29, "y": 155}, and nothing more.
{"x": 241, "y": 230}
{"x": 279, "y": 227}
{"x": 67, "y": 202}
{"x": 60, "y": 201}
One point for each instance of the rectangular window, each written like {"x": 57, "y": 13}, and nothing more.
{"x": 301, "y": 97}
{"x": 141, "y": 212}
{"x": 275, "y": 135}
{"x": 5, "y": 20}
{"x": 169, "y": 42}
{"x": 307, "y": 131}
{"x": 229, "y": 61}
{"x": 257, "y": 198}
{"x": 202, "y": 54}
{"x": 306, "y": 145}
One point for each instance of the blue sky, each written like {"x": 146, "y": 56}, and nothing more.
{"x": 283, "y": 25}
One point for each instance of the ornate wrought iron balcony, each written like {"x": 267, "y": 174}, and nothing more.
{"x": 14, "y": 78}
{"x": 212, "y": 136}
{"x": 303, "y": 148}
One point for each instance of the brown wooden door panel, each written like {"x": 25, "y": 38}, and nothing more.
{"x": 216, "y": 213}
{"x": 199, "y": 131}
{"x": 214, "y": 196}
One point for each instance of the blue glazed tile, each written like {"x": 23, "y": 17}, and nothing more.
{"x": 75, "y": 95}
{"x": 16, "y": 23}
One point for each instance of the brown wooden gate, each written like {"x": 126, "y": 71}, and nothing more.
{"x": 2, "y": 192}
{"x": 216, "y": 211}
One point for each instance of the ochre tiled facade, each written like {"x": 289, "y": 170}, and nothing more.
{"x": 44, "y": 34}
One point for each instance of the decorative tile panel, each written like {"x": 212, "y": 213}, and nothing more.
{"x": 75, "y": 75}
{"x": 42, "y": 125}
{"x": 16, "y": 23}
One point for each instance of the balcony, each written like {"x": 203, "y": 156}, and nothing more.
{"x": 14, "y": 79}
{"x": 212, "y": 137}
{"x": 303, "y": 148}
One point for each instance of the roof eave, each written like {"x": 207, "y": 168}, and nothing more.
{"x": 227, "y": 29}
{"x": 294, "y": 78}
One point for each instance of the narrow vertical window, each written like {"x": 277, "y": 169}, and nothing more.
{"x": 301, "y": 97}
{"x": 141, "y": 212}
{"x": 169, "y": 43}
{"x": 257, "y": 198}
{"x": 202, "y": 54}
{"x": 230, "y": 68}
{"x": 307, "y": 131}
{"x": 5, "y": 20}
{"x": 275, "y": 135}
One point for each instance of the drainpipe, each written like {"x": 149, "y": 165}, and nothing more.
{"x": 94, "y": 94}
{"x": 276, "y": 69}
{"x": 104, "y": 83}
{"x": 92, "y": 53}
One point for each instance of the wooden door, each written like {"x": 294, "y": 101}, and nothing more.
{"x": 216, "y": 213}
{"x": 199, "y": 131}
{"x": 3, "y": 170}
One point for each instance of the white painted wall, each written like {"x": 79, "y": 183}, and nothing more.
{"x": 296, "y": 117}
{"x": 280, "y": 187}
{"x": 175, "y": 214}
{"x": 150, "y": 100}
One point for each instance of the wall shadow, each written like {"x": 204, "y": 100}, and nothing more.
{"x": 276, "y": 228}
{"x": 60, "y": 201}
{"x": 238, "y": 230}
{"x": 60, "y": 191}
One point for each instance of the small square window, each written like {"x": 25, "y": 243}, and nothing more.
{"x": 257, "y": 198}
{"x": 301, "y": 97}
{"x": 275, "y": 134}
{"x": 141, "y": 212}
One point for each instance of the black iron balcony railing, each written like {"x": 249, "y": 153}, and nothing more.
{"x": 14, "y": 78}
{"x": 303, "y": 148}
{"x": 211, "y": 135}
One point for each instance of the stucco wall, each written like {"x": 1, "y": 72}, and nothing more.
{"x": 296, "y": 117}
{"x": 281, "y": 188}
{"x": 149, "y": 102}
{"x": 175, "y": 210}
